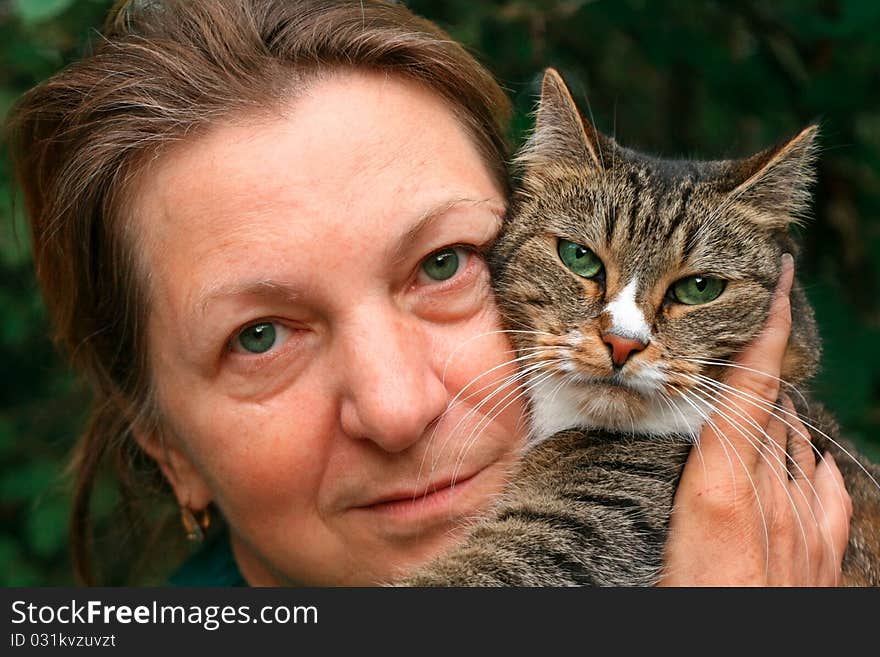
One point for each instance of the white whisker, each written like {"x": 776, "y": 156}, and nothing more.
{"x": 723, "y": 439}
{"x": 487, "y": 419}
{"x": 484, "y": 335}
{"x": 731, "y": 364}
{"x": 499, "y": 387}
{"x": 772, "y": 409}
{"x": 806, "y": 422}
{"x": 779, "y": 460}
{"x": 457, "y": 399}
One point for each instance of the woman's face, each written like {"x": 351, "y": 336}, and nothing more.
{"x": 319, "y": 309}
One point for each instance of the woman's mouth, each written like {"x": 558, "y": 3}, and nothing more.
{"x": 408, "y": 512}
{"x": 432, "y": 494}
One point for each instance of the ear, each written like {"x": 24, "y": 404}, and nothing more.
{"x": 188, "y": 485}
{"x": 560, "y": 131}
{"x": 776, "y": 182}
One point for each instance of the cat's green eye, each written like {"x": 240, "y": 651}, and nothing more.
{"x": 442, "y": 265}
{"x": 257, "y": 338}
{"x": 695, "y": 290}
{"x": 579, "y": 259}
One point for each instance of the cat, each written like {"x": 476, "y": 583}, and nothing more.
{"x": 628, "y": 283}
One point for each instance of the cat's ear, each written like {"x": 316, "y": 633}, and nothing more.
{"x": 776, "y": 182}
{"x": 561, "y": 133}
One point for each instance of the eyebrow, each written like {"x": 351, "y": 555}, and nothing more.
{"x": 428, "y": 218}
{"x": 398, "y": 251}
{"x": 265, "y": 288}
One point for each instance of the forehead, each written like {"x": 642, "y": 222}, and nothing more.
{"x": 351, "y": 159}
{"x": 654, "y": 219}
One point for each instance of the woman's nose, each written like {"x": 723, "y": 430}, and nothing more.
{"x": 392, "y": 390}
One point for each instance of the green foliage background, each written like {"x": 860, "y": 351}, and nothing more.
{"x": 711, "y": 79}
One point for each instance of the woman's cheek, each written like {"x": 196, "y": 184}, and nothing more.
{"x": 257, "y": 379}
{"x": 263, "y": 456}
{"x": 459, "y": 300}
{"x": 478, "y": 353}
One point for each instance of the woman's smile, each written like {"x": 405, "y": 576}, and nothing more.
{"x": 410, "y": 511}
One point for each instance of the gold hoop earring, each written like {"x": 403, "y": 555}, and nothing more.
{"x": 195, "y": 523}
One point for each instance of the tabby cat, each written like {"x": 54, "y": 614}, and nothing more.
{"x": 628, "y": 284}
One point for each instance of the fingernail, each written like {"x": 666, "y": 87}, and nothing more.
{"x": 786, "y": 276}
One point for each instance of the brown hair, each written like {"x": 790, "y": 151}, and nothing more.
{"x": 162, "y": 72}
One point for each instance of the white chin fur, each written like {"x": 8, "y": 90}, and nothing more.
{"x": 558, "y": 404}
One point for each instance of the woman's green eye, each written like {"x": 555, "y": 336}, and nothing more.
{"x": 258, "y": 338}
{"x": 441, "y": 265}
{"x": 579, "y": 259}
{"x": 695, "y": 290}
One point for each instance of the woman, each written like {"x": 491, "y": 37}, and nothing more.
{"x": 258, "y": 227}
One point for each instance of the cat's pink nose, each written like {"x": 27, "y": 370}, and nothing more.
{"x": 622, "y": 348}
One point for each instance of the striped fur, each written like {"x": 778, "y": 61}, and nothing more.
{"x": 591, "y": 503}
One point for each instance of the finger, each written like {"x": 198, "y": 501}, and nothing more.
{"x": 765, "y": 353}
{"x": 838, "y": 489}
{"x": 799, "y": 446}
{"x": 773, "y": 448}
{"x": 756, "y": 377}
{"x": 833, "y": 509}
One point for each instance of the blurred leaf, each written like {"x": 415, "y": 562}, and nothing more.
{"x": 867, "y": 128}
{"x": 7, "y": 436}
{"x": 47, "y": 527}
{"x": 7, "y": 97}
{"x": 35, "y": 11}
{"x": 29, "y": 480}
{"x": 14, "y": 568}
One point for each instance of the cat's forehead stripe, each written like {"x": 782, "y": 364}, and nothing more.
{"x": 680, "y": 212}
{"x": 636, "y": 205}
{"x": 626, "y": 316}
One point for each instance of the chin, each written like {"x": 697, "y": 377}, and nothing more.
{"x": 561, "y": 405}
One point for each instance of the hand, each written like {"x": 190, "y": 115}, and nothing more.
{"x": 738, "y": 518}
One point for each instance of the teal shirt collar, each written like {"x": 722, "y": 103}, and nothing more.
{"x": 213, "y": 564}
